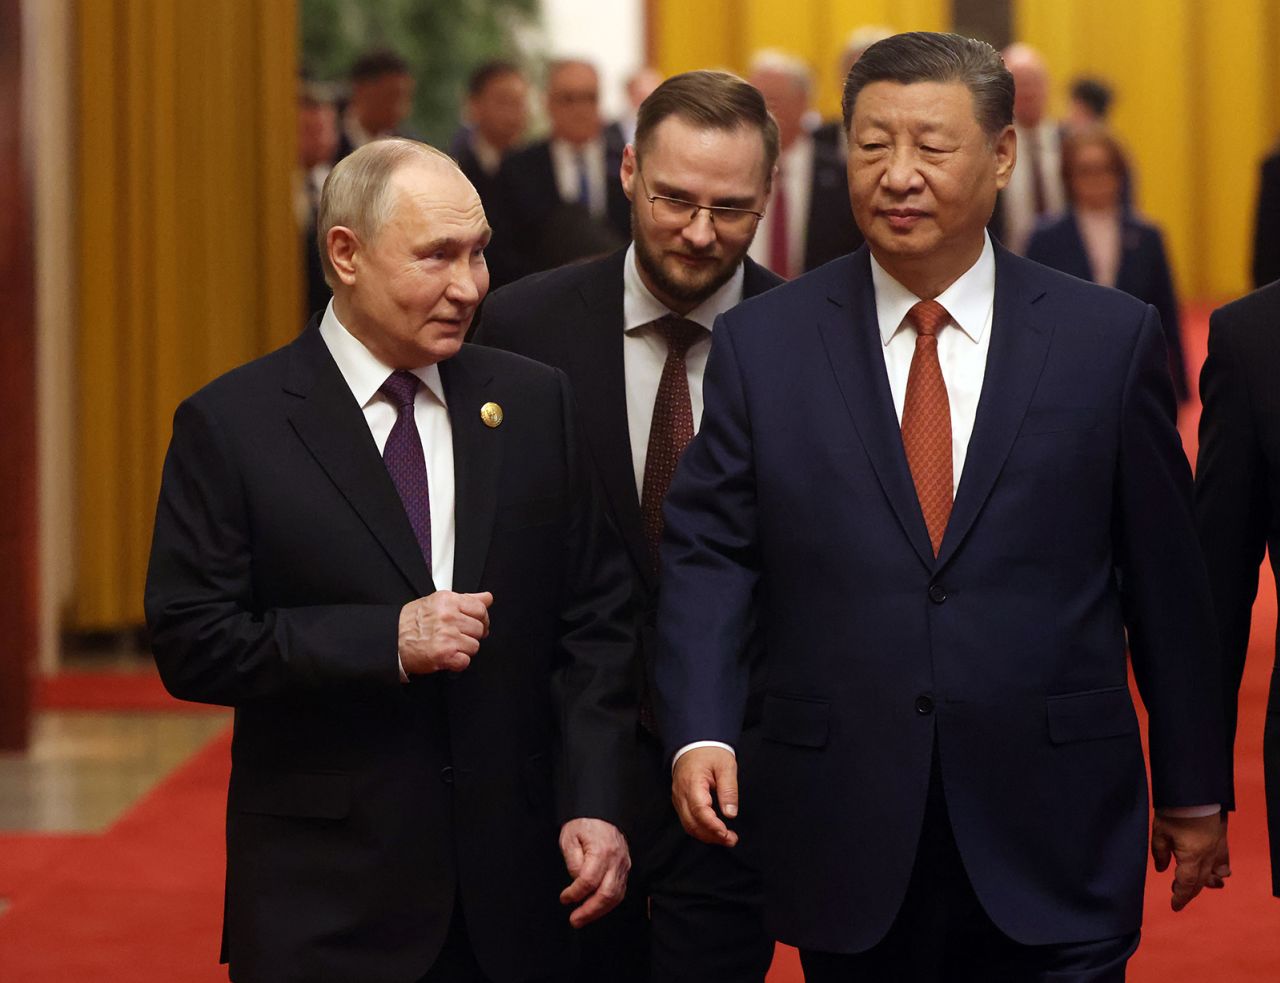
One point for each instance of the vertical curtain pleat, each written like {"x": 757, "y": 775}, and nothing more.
{"x": 187, "y": 248}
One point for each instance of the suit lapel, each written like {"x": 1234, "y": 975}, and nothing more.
{"x": 1020, "y": 337}
{"x": 330, "y": 423}
{"x": 477, "y": 458}
{"x": 599, "y": 380}
{"x": 851, "y": 336}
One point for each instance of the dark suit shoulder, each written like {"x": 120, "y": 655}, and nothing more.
{"x": 264, "y": 374}
{"x": 508, "y": 367}
{"x": 539, "y": 290}
{"x": 1253, "y": 317}
{"x": 1065, "y": 293}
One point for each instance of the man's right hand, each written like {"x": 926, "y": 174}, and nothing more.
{"x": 442, "y": 631}
{"x": 697, "y": 774}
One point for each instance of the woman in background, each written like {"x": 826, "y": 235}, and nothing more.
{"x": 1102, "y": 240}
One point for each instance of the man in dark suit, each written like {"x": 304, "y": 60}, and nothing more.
{"x": 559, "y": 199}
{"x": 1266, "y": 223}
{"x": 632, "y": 332}
{"x": 497, "y": 116}
{"x": 336, "y": 522}
{"x": 807, "y": 222}
{"x": 1238, "y": 498}
{"x": 380, "y": 100}
{"x": 944, "y": 482}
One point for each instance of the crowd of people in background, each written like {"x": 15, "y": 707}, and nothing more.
{"x": 557, "y": 199}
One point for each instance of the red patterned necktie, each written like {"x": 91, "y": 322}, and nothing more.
{"x": 926, "y": 421}
{"x": 672, "y": 426}
{"x": 405, "y": 460}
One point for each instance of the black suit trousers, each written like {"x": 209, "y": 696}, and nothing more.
{"x": 943, "y": 935}
{"x": 693, "y": 912}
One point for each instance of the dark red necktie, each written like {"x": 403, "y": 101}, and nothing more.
{"x": 926, "y": 422}
{"x": 672, "y": 426}
{"x": 404, "y": 458}
{"x": 779, "y": 234}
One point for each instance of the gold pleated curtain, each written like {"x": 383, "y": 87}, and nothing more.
{"x": 188, "y": 253}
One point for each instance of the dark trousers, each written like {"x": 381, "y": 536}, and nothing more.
{"x": 457, "y": 961}
{"x": 693, "y": 912}
{"x": 943, "y": 935}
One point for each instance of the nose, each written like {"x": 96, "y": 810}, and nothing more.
{"x": 701, "y": 230}
{"x": 901, "y": 175}
{"x": 464, "y": 286}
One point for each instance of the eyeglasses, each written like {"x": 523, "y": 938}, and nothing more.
{"x": 676, "y": 213}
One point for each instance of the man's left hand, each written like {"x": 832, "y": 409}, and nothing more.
{"x": 1197, "y": 846}
{"x": 596, "y": 854}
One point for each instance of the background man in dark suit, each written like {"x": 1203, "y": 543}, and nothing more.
{"x": 632, "y": 332}
{"x": 944, "y": 481}
{"x": 1238, "y": 498}
{"x": 337, "y": 520}
{"x": 807, "y": 222}
{"x": 497, "y": 114}
{"x": 381, "y": 99}
{"x": 1266, "y": 223}
{"x": 559, "y": 199}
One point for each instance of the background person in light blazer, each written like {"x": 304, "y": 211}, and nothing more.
{"x": 946, "y": 484}
{"x": 1238, "y": 500}
{"x": 705, "y": 143}
{"x": 385, "y": 549}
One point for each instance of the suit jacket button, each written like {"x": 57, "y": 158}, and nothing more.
{"x": 924, "y": 704}
{"x": 937, "y": 593}
{"x": 446, "y": 774}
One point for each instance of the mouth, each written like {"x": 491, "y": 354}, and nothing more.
{"x": 693, "y": 262}
{"x": 903, "y": 219}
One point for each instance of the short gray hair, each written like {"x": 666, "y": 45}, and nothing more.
{"x": 923, "y": 56}
{"x": 357, "y": 194}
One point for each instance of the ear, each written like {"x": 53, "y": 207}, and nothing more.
{"x": 343, "y": 246}
{"x": 1006, "y": 153}
{"x": 628, "y": 171}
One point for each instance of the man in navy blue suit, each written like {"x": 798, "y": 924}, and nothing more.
{"x": 946, "y": 486}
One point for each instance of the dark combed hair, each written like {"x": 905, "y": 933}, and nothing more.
{"x": 923, "y": 56}
{"x": 1094, "y": 93}
{"x": 375, "y": 64}
{"x": 709, "y": 100}
{"x": 485, "y": 73}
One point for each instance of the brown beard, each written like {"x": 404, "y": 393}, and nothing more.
{"x": 684, "y": 293}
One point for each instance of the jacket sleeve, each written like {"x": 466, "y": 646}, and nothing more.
{"x": 1231, "y": 505}
{"x": 212, "y": 642}
{"x": 1165, "y": 589}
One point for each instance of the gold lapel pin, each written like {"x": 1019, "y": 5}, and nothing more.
{"x": 491, "y": 414}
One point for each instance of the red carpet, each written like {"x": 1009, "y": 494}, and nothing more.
{"x": 142, "y": 903}
{"x": 140, "y": 690}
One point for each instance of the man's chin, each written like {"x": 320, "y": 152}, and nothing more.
{"x": 693, "y": 284}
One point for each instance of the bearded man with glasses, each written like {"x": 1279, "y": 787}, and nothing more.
{"x": 633, "y": 331}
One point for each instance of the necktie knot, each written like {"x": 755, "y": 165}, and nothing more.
{"x": 680, "y": 334}
{"x": 401, "y": 387}
{"x": 928, "y": 316}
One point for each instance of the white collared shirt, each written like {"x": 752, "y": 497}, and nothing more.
{"x": 962, "y": 345}
{"x": 644, "y": 352}
{"x": 795, "y": 177}
{"x": 488, "y": 156}
{"x": 567, "y": 160}
{"x": 364, "y": 374}
{"x": 1018, "y": 200}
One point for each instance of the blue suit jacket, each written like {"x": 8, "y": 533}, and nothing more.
{"x": 1144, "y": 273}
{"x": 1072, "y": 526}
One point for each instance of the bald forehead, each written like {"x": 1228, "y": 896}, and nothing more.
{"x": 572, "y": 73}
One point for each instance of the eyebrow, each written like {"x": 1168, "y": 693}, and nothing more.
{"x": 453, "y": 242}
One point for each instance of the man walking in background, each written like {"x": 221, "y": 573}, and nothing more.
{"x": 632, "y": 331}
{"x": 385, "y": 549}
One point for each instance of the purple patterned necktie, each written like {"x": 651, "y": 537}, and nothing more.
{"x": 404, "y": 458}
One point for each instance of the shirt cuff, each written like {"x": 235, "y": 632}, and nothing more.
{"x": 1188, "y": 812}
{"x": 404, "y": 676}
{"x": 690, "y": 747}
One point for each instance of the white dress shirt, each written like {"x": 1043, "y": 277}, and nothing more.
{"x": 795, "y": 177}
{"x": 1017, "y": 201}
{"x": 568, "y": 160}
{"x": 364, "y": 374}
{"x": 644, "y": 352}
{"x": 488, "y": 156}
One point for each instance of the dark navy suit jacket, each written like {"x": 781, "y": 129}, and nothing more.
{"x": 1005, "y": 655}
{"x": 1144, "y": 273}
